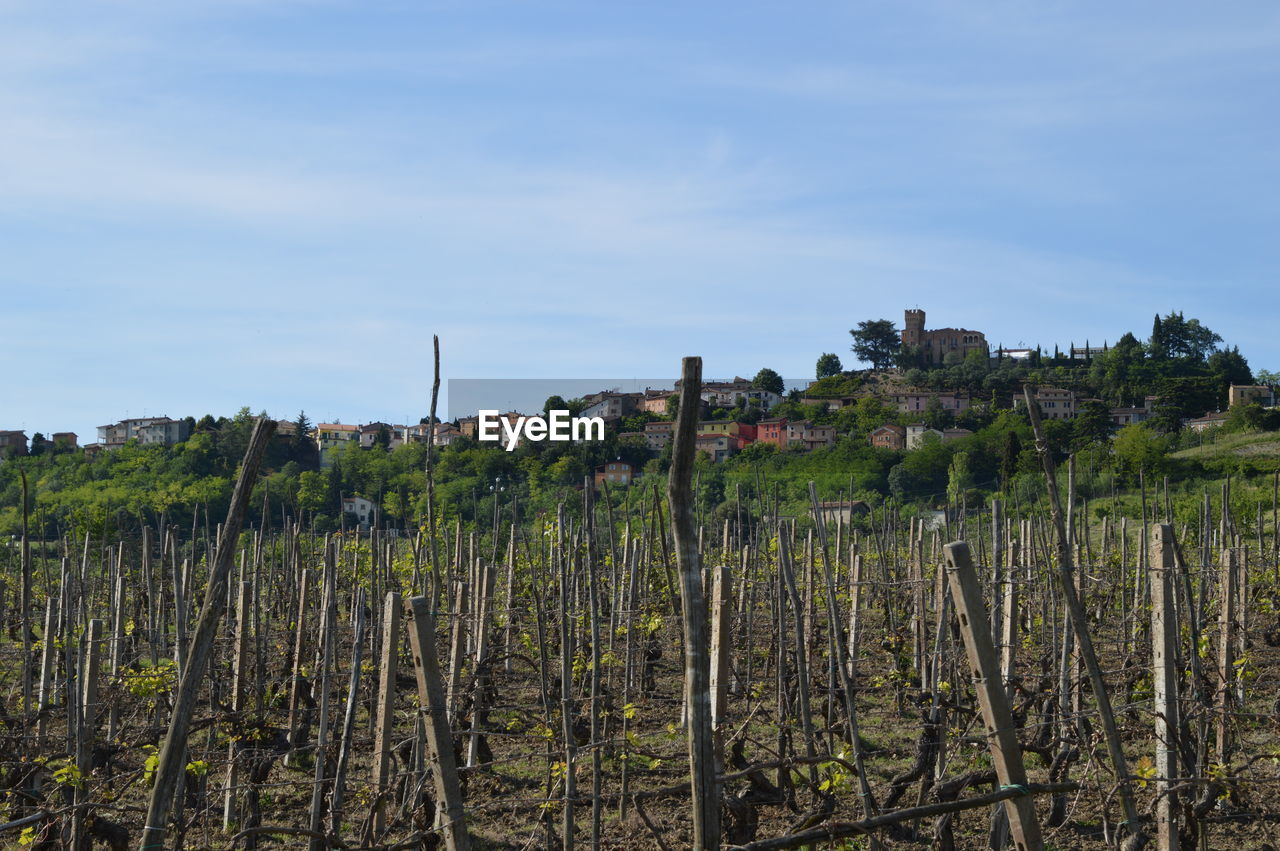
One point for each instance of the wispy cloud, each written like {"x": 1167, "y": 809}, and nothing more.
{"x": 321, "y": 186}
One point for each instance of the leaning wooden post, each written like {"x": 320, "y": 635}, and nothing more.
{"x": 1164, "y": 676}
{"x": 1080, "y": 625}
{"x": 1002, "y": 738}
{"x": 697, "y": 667}
{"x": 385, "y": 709}
{"x": 431, "y": 703}
{"x": 172, "y": 754}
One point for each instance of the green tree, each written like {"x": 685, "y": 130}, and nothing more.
{"x": 755, "y": 452}
{"x": 877, "y": 342}
{"x": 936, "y": 416}
{"x": 1010, "y": 449}
{"x": 769, "y": 381}
{"x": 959, "y": 477}
{"x": 38, "y": 444}
{"x": 313, "y": 491}
{"x": 1139, "y": 449}
{"x": 1228, "y": 366}
{"x": 1267, "y": 377}
{"x": 1121, "y": 372}
{"x": 1245, "y": 418}
{"x": 334, "y": 490}
{"x": 1092, "y": 424}
{"x": 1182, "y": 398}
{"x": 870, "y": 412}
{"x": 302, "y": 448}
{"x": 1175, "y": 337}
{"x": 828, "y": 364}
{"x": 903, "y": 483}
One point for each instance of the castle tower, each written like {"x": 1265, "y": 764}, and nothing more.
{"x": 912, "y": 327}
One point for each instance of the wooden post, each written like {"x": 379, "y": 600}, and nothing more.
{"x": 855, "y": 607}
{"x": 338, "y": 798}
{"x": 458, "y": 648}
{"x": 842, "y": 666}
{"x": 1226, "y": 645}
{"x": 479, "y": 700}
{"x": 721, "y": 641}
{"x": 1242, "y": 616}
{"x": 385, "y": 709}
{"x": 181, "y": 589}
{"x": 1009, "y": 626}
{"x": 117, "y": 647}
{"x": 298, "y": 734}
{"x": 697, "y": 667}
{"x": 172, "y": 765}
{"x": 46, "y": 668}
{"x": 568, "y": 705}
{"x": 1164, "y": 676}
{"x": 431, "y": 703}
{"x": 323, "y": 687}
{"x": 997, "y": 571}
{"x": 1006, "y": 754}
{"x": 239, "y": 673}
{"x": 89, "y": 665}
{"x": 1079, "y": 624}
{"x": 25, "y": 556}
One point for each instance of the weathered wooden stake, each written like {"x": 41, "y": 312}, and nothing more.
{"x": 239, "y": 674}
{"x": 1066, "y": 584}
{"x": 431, "y": 703}
{"x": 385, "y": 709}
{"x": 172, "y": 765}
{"x": 1006, "y": 754}
{"x": 1226, "y": 645}
{"x": 1164, "y": 675}
{"x": 721, "y": 641}
{"x": 46, "y": 668}
{"x": 697, "y": 664}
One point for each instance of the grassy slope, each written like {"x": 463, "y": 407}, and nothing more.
{"x": 1247, "y": 444}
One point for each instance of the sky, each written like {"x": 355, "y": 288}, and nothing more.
{"x": 210, "y": 205}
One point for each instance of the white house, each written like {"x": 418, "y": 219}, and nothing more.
{"x": 916, "y": 433}
{"x": 363, "y": 509}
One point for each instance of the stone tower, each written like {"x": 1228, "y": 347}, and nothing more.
{"x": 913, "y": 328}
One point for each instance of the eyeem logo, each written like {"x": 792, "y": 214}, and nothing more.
{"x": 557, "y": 425}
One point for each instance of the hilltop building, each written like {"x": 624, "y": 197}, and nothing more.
{"x": 13, "y": 444}
{"x": 1055, "y": 403}
{"x": 148, "y": 431}
{"x": 889, "y": 436}
{"x": 1245, "y": 394}
{"x": 937, "y": 344}
{"x": 617, "y": 473}
{"x": 611, "y": 405}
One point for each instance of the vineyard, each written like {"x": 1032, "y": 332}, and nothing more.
{"x": 619, "y": 674}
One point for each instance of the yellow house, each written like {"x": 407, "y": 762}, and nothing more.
{"x": 329, "y": 435}
{"x": 725, "y": 427}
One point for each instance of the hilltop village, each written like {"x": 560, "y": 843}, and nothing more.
{"x": 928, "y": 396}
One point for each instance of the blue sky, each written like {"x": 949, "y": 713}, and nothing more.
{"x": 206, "y": 205}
